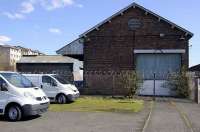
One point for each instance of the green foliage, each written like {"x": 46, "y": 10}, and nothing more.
{"x": 130, "y": 81}
{"x": 178, "y": 82}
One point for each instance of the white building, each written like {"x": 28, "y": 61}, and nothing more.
{"x": 27, "y": 51}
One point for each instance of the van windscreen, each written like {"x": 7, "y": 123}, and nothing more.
{"x": 18, "y": 80}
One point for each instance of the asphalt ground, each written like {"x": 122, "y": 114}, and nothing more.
{"x": 167, "y": 115}
{"x": 78, "y": 122}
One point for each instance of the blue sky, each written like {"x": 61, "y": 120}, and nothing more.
{"x": 47, "y": 25}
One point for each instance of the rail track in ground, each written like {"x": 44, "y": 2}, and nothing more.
{"x": 166, "y": 116}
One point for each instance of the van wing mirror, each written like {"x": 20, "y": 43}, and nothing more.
{"x": 54, "y": 84}
{"x": 4, "y": 87}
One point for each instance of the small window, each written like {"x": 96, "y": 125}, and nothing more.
{"x": 49, "y": 80}
{"x": 46, "y": 79}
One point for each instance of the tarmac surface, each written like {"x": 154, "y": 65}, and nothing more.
{"x": 77, "y": 122}
{"x": 167, "y": 115}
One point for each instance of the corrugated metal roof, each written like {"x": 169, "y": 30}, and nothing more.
{"x": 47, "y": 59}
{"x": 73, "y": 48}
{"x": 195, "y": 68}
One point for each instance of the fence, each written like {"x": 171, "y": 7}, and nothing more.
{"x": 194, "y": 86}
{"x": 198, "y": 85}
{"x": 117, "y": 83}
{"x": 108, "y": 82}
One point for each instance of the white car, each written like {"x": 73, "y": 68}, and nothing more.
{"x": 19, "y": 97}
{"x": 56, "y": 87}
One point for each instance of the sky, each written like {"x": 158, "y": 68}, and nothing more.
{"x": 48, "y": 25}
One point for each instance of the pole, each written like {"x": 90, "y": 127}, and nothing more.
{"x": 198, "y": 90}
{"x": 154, "y": 86}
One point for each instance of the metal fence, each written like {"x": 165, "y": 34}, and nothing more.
{"x": 107, "y": 82}
{"x": 110, "y": 83}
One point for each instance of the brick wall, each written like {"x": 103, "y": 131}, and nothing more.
{"x": 111, "y": 47}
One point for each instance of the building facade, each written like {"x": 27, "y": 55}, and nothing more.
{"x": 133, "y": 39}
{"x": 10, "y": 55}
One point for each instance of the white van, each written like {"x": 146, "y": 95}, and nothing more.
{"x": 56, "y": 87}
{"x": 19, "y": 97}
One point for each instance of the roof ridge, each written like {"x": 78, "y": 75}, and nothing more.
{"x": 134, "y": 4}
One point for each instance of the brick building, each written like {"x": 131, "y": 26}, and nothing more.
{"x": 133, "y": 39}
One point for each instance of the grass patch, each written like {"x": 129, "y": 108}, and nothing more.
{"x": 99, "y": 104}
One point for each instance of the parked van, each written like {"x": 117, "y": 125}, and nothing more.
{"x": 19, "y": 97}
{"x": 56, "y": 87}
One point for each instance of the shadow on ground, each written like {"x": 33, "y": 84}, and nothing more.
{"x": 28, "y": 118}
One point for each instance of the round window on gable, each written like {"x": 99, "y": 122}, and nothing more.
{"x": 134, "y": 24}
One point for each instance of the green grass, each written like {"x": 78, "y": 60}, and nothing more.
{"x": 99, "y": 104}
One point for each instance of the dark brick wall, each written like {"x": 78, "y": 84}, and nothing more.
{"x": 111, "y": 47}
{"x": 64, "y": 69}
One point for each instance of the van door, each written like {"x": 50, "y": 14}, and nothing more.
{"x": 49, "y": 86}
{"x": 3, "y": 94}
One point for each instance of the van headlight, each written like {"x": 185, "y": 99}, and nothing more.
{"x": 29, "y": 95}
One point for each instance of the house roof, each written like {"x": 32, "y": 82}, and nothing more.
{"x": 27, "y": 49}
{"x": 8, "y": 46}
{"x": 47, "y": 59}
{"x": 133, "y": 5}
{"x": 195, "y": 68}
{"x": 76, "y": 41}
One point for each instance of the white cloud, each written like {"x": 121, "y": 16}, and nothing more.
{"x": 55, "y": 30}
{"x": 27, "y": 7}
{"x": 13, "y": 15}
{"x": 68, "y": 2}
{"x": 79, "y": 5}
{"x": 55, "y": 4}
{"x": 4, "y": 38}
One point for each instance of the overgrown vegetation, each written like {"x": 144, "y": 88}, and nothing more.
{"x": 178, "y": 82}
{"x": 130, "y": 81}
{"x": 99, "y": 104}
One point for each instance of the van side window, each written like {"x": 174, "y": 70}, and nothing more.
{"x": 49, "y": 80}
{"x": 46, "y": 79}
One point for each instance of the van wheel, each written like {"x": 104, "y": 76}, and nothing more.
{"x": 14, "y": 113}
{"x": 61, "y": 99}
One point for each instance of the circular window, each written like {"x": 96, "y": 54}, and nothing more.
{"x": 134, "y": 24}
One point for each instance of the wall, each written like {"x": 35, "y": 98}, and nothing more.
{"x": 65, "y": 69}
{"x": 194, "y": 86}
{"x": 110, "y": 48}
{"x": 5, "y": 59}
{"x": 15, "y": 55}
